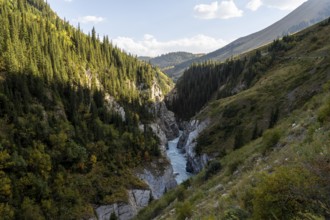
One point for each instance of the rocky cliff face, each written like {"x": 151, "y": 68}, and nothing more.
{"x": 158, "y": 180}
{"x": 138, "y": 199}
{"x": 158, "y": 175}
{"x": 188, "y": 141}
{"x": 159, "y": 132}
{"x": 112, "y": 105}
{"x": 166, "y": 120}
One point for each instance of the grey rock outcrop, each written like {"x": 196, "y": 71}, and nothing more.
{"x": 141, "y": 198}
{"x": 166, "y": 120}
{"x": 159, "y": 181}
{"x": 156, "y": 92}
{"x": 188, "y": 141}
{"x": 186, "y": 128}
{"x": 112, "y": 105}
{"x": 159, "y": 174}
{"x": 158, "y": 131}
{"x": 138, "y": 199}
{"x": 196, "y": 163}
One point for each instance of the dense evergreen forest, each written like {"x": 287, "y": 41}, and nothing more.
{"x": 166, "y": 61}
{"x": 63, "y": 147}
{"x": 204, "y": 81}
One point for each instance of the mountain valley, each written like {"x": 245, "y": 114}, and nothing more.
{"x": 88, "y": 131}
{"x": 260, "y": 136}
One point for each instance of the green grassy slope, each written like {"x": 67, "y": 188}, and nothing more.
{"x": 270, "y": 142}
{"x": 295, "y": 75}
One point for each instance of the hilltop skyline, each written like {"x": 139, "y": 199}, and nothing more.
{"x": 152, "y": 28}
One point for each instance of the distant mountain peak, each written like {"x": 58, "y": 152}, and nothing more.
{"x": 309, "y": 13}
{"x": 168, "y": 60}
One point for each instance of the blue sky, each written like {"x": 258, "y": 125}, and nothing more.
{"x": 155, "y": 27}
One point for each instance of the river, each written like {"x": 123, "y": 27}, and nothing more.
{"x": 178, "y": 161}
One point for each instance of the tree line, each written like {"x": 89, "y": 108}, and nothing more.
{"x": 63, "y": 149}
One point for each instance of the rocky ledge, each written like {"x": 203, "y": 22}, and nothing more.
{"x": 188, "y": 141}
{"x": 158, "y": 179}
{"x": 138, "y": 199}
{"x": 166, "y": 120}
{"x": 158, "y": 175}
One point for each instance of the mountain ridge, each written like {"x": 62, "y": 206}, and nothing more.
{"x": 307, "y": 14}
{"x": 169, "y": 60}
{"x": 261, "y": 134}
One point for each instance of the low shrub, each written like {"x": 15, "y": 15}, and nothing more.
{"x": 324, "y": 112}
{"x": 233, "y": 165}
{"x": 271, "y": 138}
{"x": 183, "y": 210}
{"x": 186, "y": 184}
{"x": 181, "y": 195}
{"x": 213, "y": 168}
{"x": 235, "y": 213}
{"x": 288, "y": 193}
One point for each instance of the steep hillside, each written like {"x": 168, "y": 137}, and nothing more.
{"x": 74, "y": 116}
{"x": 264, "y": 141}
{"x": 168, "y": 61}
{"x": 307, "y": 14}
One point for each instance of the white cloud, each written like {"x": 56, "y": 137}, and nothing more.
{"x": 68, "y": 0}
{"x": 89, "y": 19}
{"x": 224, "y": 10}
{"x": 279, "y": 4}
{"x": 254, "y": 5}
{"x": 150, "y": 46}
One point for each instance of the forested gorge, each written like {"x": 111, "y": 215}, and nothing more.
{"x": 204, "y": 81}
{"x": 217, "y": 82}
{"x": 268, "y": 114}
{"x": 63, "y": 147}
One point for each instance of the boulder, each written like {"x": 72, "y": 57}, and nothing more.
{"x": 137, "y": 200}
